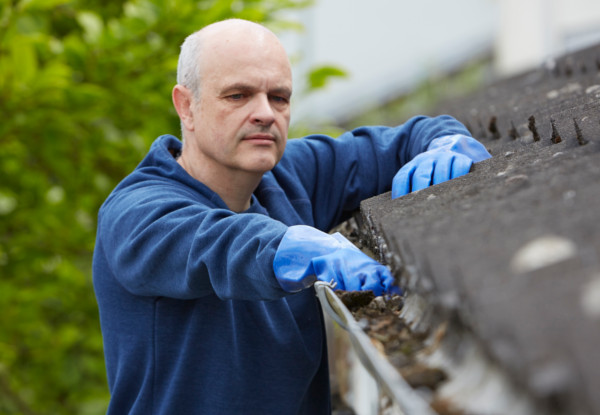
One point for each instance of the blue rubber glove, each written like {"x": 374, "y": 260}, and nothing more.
{"x": 446, "y": 158}
{"x": 306, "y": 255}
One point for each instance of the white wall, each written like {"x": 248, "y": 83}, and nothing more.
{"x": 533, "y": 31}
{"x": 388, "y": 46}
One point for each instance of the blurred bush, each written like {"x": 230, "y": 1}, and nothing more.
{"x": 85, "y": 87}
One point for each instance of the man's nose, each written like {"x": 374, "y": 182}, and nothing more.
{"x": 263, "y": 111}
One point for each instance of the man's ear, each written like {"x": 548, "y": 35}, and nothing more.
{"x": 182, "y": 100}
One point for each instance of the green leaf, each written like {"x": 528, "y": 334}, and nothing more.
{"x": 319, "y": 77}
{"x": 92, "y": 26}
{"x": 24, "y": 60}
{"x": 8, "y": 203}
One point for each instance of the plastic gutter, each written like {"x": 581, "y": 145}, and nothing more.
{"x": 475, "y": 385}
{"x": 386, "y": 376}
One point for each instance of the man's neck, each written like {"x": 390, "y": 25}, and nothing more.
{"x": 235, "y": 188}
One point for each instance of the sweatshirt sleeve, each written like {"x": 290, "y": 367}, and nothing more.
{"x": 338, "y": 174}
{"x": 159, "y": 242}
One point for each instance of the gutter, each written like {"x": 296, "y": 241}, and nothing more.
{"x": 386, "y": 376}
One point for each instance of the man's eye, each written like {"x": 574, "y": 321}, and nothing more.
{"x": 236, "y": 97}
{"x": 279, "y": 99}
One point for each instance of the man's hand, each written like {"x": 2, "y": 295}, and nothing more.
{"x": 446, "y": 158}
{"x": 306, "y": 255}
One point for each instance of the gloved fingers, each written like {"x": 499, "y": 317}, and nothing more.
{"x": 388, "y": 284}
{"x": 373, "y": 283}
{"x": 354, "y": 281}
{"x": 423, "y": 173}
{"x": 450, "y": 166}
{"x": 443, "y": 168}
{"x": 461, "y": 165}
{"x": 355, "y": 266}
{"x": 353, "y": 271}
{"x": 402, "y": 180}
{"x": 379, "y": 280}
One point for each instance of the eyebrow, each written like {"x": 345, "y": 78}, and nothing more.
{"x": 249, "y": 88}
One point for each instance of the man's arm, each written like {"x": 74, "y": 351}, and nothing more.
{"x": 167, "y": 246}
{"x": 337, "y": 174}
{"x": 158, "y": 242}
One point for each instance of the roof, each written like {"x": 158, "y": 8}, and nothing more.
{"x": 510, "y": 253}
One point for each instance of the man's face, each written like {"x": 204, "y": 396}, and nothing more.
{"x": 242, "y": 117}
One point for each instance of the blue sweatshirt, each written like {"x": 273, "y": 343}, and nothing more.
{"x": 192, "y": 316}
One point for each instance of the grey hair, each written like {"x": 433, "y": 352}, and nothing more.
{"x": 188, "y": 73}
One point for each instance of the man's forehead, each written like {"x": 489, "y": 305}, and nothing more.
{"x": 243, "y": 52}
{"x": 248, "y": 68}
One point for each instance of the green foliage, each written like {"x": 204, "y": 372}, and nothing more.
{"x": 85, "y": 87}
{"x": 320, "y": 76}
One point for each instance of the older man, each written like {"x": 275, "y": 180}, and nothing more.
{"x": 206, "y": 253}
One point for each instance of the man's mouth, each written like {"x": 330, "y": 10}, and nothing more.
{"x": 260, "y": 138}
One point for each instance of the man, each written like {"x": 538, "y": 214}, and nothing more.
{"x": 206, "y": 254}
